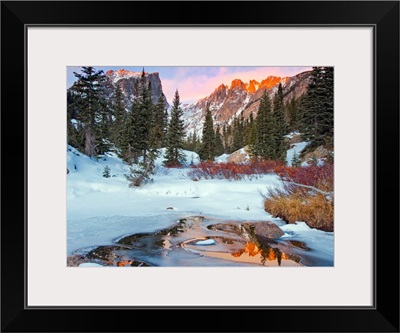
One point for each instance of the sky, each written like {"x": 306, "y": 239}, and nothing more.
{"x": 194, "y": 83}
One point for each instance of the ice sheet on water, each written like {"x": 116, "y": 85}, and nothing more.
{"x": 89, "y": 264}
{"x": 179, "y": 253}
{"x": 206, "y": 242}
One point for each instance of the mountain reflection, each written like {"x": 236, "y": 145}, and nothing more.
{"x": 266, "y": 252}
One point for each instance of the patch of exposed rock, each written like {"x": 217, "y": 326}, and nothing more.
{"x": 241, "y": 98}
{"x": 295, "y": 139}
{"x": 241, "y": 155}
{"x": 266, "y": 229}
{"x": 76, "y": 259}
{"x": 319, "y": 153}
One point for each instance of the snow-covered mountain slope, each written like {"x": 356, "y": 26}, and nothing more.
{"x": 227, "y": 102}
{"x": 128, "y": 81}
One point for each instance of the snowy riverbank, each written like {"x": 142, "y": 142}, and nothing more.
{"x": 100, "y": 209}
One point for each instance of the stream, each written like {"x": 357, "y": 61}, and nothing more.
{"x": 201, "y": 241}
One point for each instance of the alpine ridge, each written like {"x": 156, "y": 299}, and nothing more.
{"x": 128, "y": 81}
{"x": 240, "y": 98}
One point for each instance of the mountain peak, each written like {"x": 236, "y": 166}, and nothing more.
{"x": 221, "y": 88}
{"x": 122, "y": 74}
{"x": 252, "y": 86}
{"x": 127, "y": 81}
{"x": 226, "y": 101}
{"x": 270, "y": 81}
{"x": 237, "y": 83}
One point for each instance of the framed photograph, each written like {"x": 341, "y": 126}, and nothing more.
{"x": 200, "y": 159}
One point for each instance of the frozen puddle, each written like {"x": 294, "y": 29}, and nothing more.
{"x": 209, "y": 241}
{"x": 201, "y": 241}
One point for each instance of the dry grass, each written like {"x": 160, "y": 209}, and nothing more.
{"x": 296, "y": 203}
{"x": 315, "y": 210}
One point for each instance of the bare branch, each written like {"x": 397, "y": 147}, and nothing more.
{"x": 311, "y": 187}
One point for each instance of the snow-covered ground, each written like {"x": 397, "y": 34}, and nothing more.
{"x": 222, "y": 158}
{"x": 101, "y": 209}
{"x": 295, "y": 149}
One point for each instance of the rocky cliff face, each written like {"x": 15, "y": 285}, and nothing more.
{"x": 128, "y": 82}
{"x": 226, "y": 102}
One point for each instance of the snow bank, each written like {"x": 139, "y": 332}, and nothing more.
{"x": 292, "y": 135}
{"x": 321, "y": 242}
{"x": 190, "y": 156}
{"x": 100, "y": 209}
{"x": 222, "y": 158}
{"x": 296, "y": 149}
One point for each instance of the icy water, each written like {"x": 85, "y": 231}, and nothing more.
{"x": 203, "y": 241}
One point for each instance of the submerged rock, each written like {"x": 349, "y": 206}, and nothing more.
{"x": 75, "y": 260}
{"x": 226, "y": 227}
{"x": 268, "y": 229}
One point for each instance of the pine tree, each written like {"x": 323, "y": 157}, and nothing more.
{"x": 238, "y": 133}
{"x": 252, "y": 139}
{"x": 237, "y": 137}
{"x": 159, "y": 126}
{"x": 292, "y": 113}
{"x": 310, "y": 107}
{"x": 120, "y": 118}
{"x": 141, "y": 139}
{"x": 195, "y": 145}
{"x": 144, "y": 118}
{"x": 207, "y": 150}
{"x": 250, "y": 131}
{"x": 280, "y": 125}
{"x": 327, "y": 117}
{"x": 88, "y": 93}
{"x": 175, "y": 134}
{"x": 106, "y": 172}
{"x": 219, "y": 147}
{"x": 264, "y": 146}
{"x": 140, "y": 174}
{"x": 165, "y": 122}
{"x": 270, "y": 139}
{"x": 188, "y": 141}
{"x": 102, "y": 129}
{"x": 295, "y": 160}
{"x": 73, "y": 133}
{"x": 317, "y": 108}
{"x": 192, "y": 142}
{"x": 129, "y": 142}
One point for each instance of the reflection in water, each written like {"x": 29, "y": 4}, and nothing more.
{"x": 251, "y": 249}
{"x": 199, "y": 241}
{"x": 266, "y": 252}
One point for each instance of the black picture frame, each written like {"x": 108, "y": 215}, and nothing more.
{"x": 383, "y": 316}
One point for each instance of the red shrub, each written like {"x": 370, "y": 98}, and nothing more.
{"x": 231, "y": 170}
{"x": 320, "y": 177}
